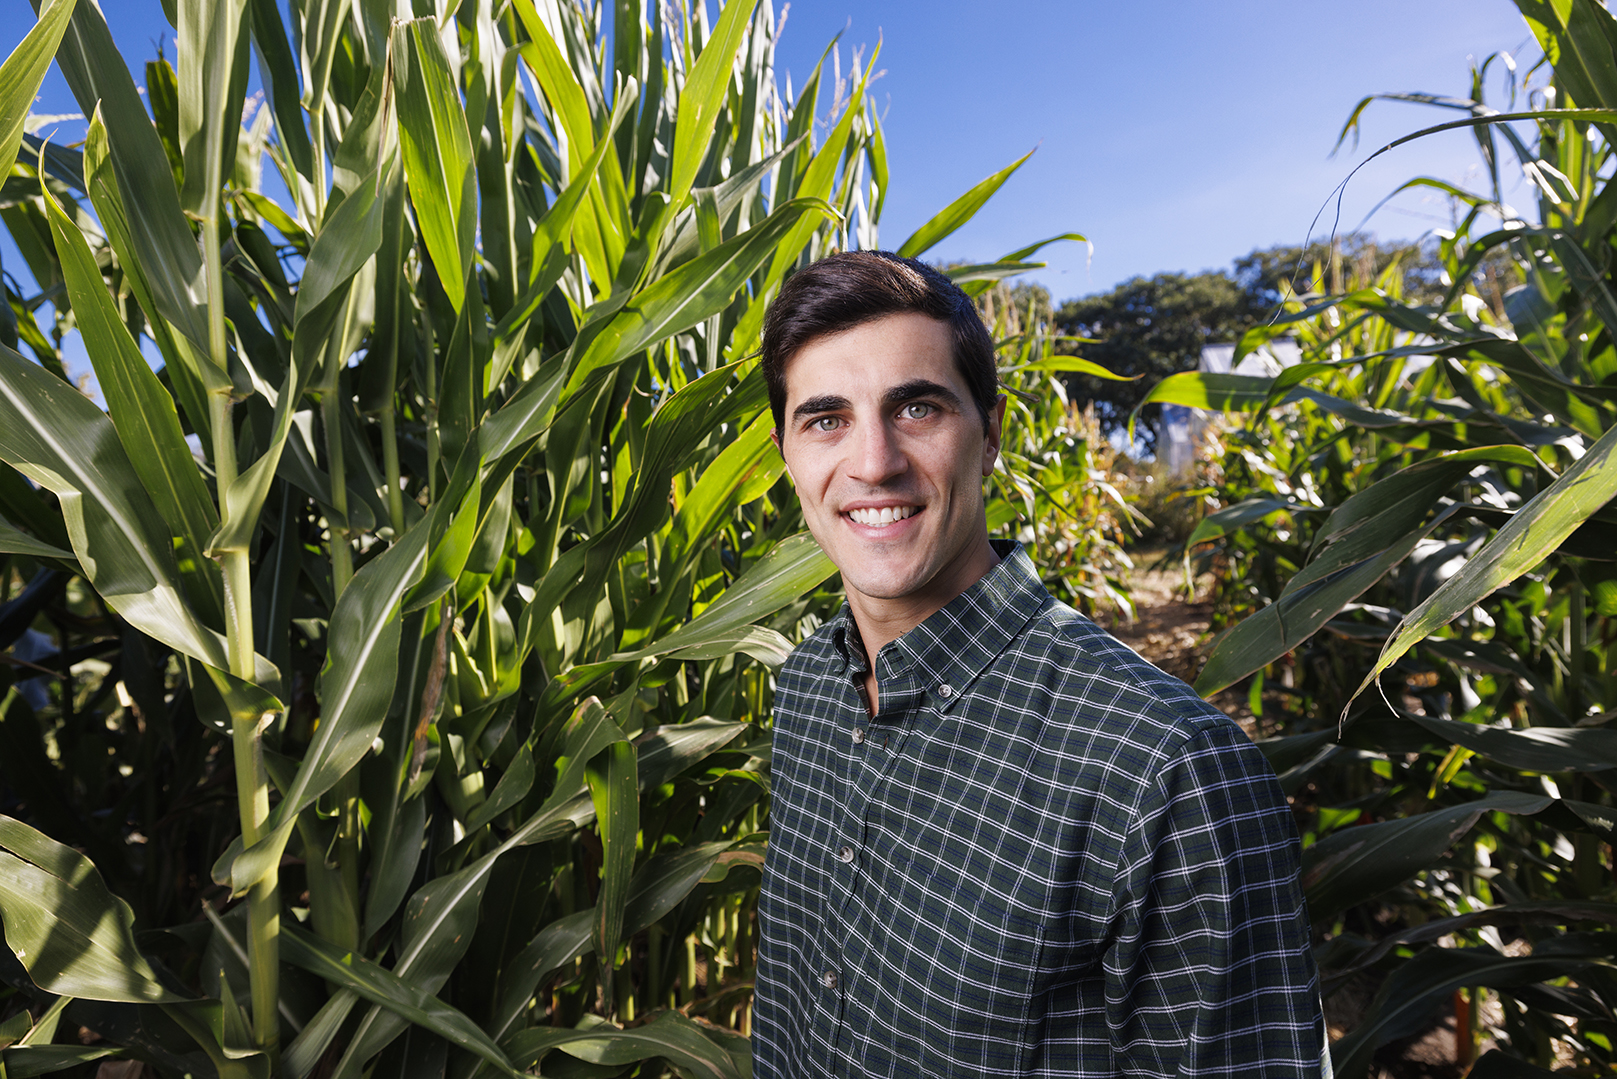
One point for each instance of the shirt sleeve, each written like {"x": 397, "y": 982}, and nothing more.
{"x": 1210, "y": 970}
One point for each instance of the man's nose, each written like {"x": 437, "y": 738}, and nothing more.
{"x": 876, "y": 455}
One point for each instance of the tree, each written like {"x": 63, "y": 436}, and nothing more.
{"x": 1151, "y": 327}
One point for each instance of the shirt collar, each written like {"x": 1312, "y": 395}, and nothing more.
{"x": 942, "y": 656}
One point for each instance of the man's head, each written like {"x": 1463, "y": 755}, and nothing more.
{"x": 841, "y": 291}
{"x": 886, "y": 434}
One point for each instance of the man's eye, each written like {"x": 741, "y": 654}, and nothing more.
{"x": 916, "y": 410}
{"x": 825, "y": 423}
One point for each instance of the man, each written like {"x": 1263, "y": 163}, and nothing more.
{"x": 1001, "y": 843}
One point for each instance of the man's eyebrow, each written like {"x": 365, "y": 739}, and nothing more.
{"x": 921, "y": 387}
{"x": 826, "y": 402}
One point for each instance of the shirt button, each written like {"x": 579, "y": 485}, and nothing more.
{"x": 858, "y": 736}
{"x": 946, "y": 690}
{"x": 845, "y": 854}
{"x": 829, "y": 979}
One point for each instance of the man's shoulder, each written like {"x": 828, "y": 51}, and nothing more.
{"x": 1109, "y": 690}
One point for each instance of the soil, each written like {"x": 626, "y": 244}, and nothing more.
{"x": 1171, "y": 630}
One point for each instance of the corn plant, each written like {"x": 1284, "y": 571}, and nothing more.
{"x": 407, "y": 634}
{"x": 1418, "y": 537}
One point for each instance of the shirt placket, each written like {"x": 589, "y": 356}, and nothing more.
{"x": 870, "y": 746}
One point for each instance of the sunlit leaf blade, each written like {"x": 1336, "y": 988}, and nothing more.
{"x": 74, "y": 936}
{"x": 24, "y": 71}
{"x": 210, "y": 96}
{"x": 141, "y": 410}
{"x": 1363, "y": 538}
{"x": 356, "y": 688}
{"x": 439, "y": 164}
{"x": 681, "y": 299}
{"x": 55, "y": 436}
{"x": 162, "y": 241}
{"x": 958, "y": 212}
{"x": 704, "y": 92}
{"x": 1534, "y": 531}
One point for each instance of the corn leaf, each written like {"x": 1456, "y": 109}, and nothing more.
{"x": 439, "y": 165}
{"x": 958, "y": 212}
{"x": 1355, "y": 864}
{"x": 703, "y": 96}
{"x": 74, "y": 936}
{"x": 616, "y": 796}
{"x": 381, "y": 986}
{"x": 24, "y": 71}
{"x": 1531, "y": 534}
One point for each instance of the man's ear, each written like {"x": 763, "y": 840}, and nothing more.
{"x": 991, "y": 437}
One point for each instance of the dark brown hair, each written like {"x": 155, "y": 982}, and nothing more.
{"x": 854, "y": 287}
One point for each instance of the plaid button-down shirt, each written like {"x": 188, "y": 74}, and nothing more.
{"x": 1042, "y": 857}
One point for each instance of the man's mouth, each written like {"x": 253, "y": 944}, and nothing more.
{"x": 886, "y": 515}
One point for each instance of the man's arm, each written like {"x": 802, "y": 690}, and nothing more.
{"x": 1210, "y": 971}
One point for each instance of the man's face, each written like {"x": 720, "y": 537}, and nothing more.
{"x": 888, "y": 453}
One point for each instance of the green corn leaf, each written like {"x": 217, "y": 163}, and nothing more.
{"x": 141, "y": 410}
{"x": 243, "y": 500}
{"x": 439, "y": 918}
{"x": 351, "y": 234}
{"x": 958, "y": 212}
{"x": 1074, "y": 364}
{"x": 1578, "y": 38}
{"x": 74, "y": 936}
{"x": 1406, "y": 998}
{"x": 1230, "y": 519}
{"x": 694, "y": 292}
{"x": 162, "y": 243}
{"x": 102, "y": 185}
{"x": 356, "y": 688}
{"x": 1532, "y": 533}
{"x": 658, "y": 887}
{"x": 383, "y": 987}
{"x": 439, "y": 164}
{"x": 557, "y": 78}
{"x": 1355, "y": 864}
{"x": 817, "y": 182}
{"x": 210, "y": 43}
{"x": 1531, "y": 749}
{"x": 1363, "y": 538}
{"x": 513, "y": 786}
{"x": 14, "y": 541}
{"x": 703, "y": 96}
{"x": 668, "y": 1035}
{"x": 56, "y": 437}
{"x": 24, "y": 71}
{"x": 278, "y": 69}
{"x": 742, "y": 472}
{"x": 25, "y": 1062}
{"x": 616, "y": 796}
{"x": 792, "y": 568}
{"x": 1209, "y": 390}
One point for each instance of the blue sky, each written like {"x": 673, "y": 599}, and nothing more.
{"x": 1175, "y": 134}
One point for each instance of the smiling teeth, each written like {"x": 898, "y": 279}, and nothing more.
{"x": 884, "y": 516}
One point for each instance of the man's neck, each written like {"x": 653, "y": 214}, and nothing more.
{"x": 882, "y": 621}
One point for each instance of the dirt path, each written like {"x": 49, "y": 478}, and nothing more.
{"x": 1168, "y": 629}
